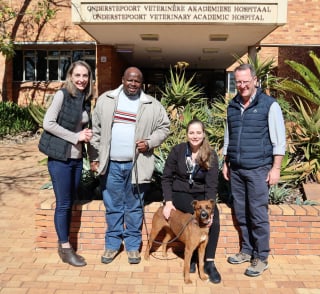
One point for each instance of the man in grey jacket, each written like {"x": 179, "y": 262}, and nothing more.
{"x": 127, "y": 125}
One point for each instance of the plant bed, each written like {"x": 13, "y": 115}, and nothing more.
{"x": 295, "y": 229}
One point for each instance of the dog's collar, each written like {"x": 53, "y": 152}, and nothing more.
{"x": 198, "y": 224}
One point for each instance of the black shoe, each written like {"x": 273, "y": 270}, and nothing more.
{"x": 193, "y": 267}
{"x": 211, "y": 270}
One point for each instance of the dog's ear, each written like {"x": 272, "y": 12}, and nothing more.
{"x": 194, "y": 203}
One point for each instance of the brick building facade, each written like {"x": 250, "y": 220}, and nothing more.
{"x": 59, "y": 40}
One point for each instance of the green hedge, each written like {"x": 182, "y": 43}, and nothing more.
{"x": 15, "y": 119}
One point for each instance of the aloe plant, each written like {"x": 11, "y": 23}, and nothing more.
{"x": 283, "y": 193}
{"x": 178, "y": 90}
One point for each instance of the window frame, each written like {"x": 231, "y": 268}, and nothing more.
{"x": 62, "y": 55}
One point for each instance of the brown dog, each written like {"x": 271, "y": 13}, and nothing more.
{"x": 192, "y": 230}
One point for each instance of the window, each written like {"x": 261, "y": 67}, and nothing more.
{"x": 48, "y": 65}
{"x": 231, "y": 85}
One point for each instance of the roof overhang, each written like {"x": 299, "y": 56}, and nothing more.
{"x": 203, "y": 33}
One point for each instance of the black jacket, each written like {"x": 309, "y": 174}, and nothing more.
{"x": 176, "y": 179}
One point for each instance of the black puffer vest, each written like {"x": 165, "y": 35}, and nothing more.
{"x": 69, "y": 117}
{"x": 249, "y": 140}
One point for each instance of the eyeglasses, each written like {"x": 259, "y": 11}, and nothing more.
{"x": 243, "y": 83}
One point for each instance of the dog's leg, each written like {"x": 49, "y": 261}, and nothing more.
{"x": 154, "y": 233}
{"x": 201, "y": 253}
{"x": 168, "y": 236}
{"x": 188, "y": 251}
{"x": 149, "y": 246}
{"x": 158, "y": 223}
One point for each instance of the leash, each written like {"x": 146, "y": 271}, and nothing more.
{"x": 177, "y": 236}
{"x": 134, "y": 166}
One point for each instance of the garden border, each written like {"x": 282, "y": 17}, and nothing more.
{"x": 295, "y": 230}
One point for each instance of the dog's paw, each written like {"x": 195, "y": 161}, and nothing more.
{"x": 204, "y": 277}
{"x": 164, "y": 254}
{"x": 147, "y": 256}
{"x": 187, "y": 281}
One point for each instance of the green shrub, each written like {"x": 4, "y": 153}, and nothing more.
{"x": 15, "y": 119}
{"x": 284, "y": 194}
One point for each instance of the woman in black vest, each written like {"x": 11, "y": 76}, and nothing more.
{"x": 65, "y": 131}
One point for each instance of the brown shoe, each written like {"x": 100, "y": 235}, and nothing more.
{"x": 68, "y": 255}
{"x": 59, "y": 249}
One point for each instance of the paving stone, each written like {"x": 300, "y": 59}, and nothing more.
{"x": 24, "y": 270}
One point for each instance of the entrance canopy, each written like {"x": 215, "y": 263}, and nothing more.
{"x": 157, "y": 34}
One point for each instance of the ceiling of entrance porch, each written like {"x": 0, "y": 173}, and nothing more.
{"x": 192, "y": 43}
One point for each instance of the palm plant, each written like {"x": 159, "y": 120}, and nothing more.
{"x": 310, "y": 90}
{"x": 305, "y": 140}
{"x": 303, "y": 161}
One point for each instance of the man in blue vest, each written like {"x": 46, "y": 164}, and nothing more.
{"x": 254, "y": 145}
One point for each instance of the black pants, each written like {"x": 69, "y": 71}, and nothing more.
{"x": 182, "y": 201}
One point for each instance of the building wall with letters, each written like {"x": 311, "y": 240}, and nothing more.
{"x": 291, "y": 41}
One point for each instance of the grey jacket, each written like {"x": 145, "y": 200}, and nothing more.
{"x": 152, "y": 124}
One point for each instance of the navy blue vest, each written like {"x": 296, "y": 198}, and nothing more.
{"x": 249, "y": 140}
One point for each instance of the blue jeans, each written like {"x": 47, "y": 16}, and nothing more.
{"x": 65, "y": 177}
{"x": 124, "y": 207}
{"x": 250, "y": 193}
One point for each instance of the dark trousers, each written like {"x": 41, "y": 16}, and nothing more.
{"x": 182, "y": 201}
{"x": 65, "y": 177}
{"x": 250, "y": 193}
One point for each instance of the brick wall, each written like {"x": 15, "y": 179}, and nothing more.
{"x": 295, "y": 230}
{"x": 298, "y": 54}
{"x": 302, "y": 26}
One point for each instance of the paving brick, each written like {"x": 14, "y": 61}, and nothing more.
{"x": 25, "y": 268}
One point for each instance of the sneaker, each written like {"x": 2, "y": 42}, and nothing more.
{"x": 108, "y": 255}
{"x": 256, "y": 268}
{"x": 239, "y": 258}
{"x": 134, "y": 257}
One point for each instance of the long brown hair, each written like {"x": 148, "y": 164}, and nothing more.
{"x": 71, "y": 88}
{"x": 205, "y": 151}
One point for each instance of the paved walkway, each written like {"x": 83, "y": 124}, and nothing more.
{"x": 25, "y": 270}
